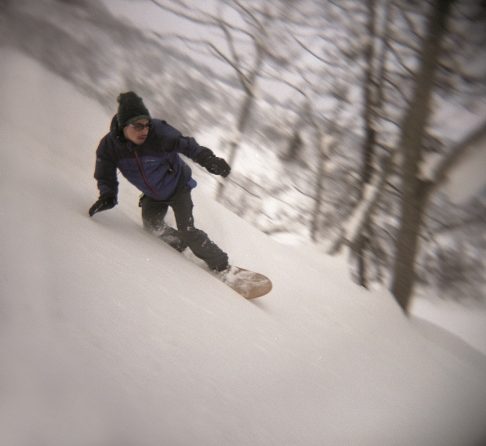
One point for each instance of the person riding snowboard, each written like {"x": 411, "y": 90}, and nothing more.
{"x": 146, "y": 151}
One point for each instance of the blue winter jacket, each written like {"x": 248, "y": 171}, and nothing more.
{"x": 154, "y": 167}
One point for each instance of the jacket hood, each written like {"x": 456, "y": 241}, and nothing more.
{"x": 116, "y": 130}
{"x": 114, "y": 126}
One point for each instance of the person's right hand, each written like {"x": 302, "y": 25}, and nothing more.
{"x": 102, "y": 204}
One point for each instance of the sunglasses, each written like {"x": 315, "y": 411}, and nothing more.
{"x": 139, "y": 127}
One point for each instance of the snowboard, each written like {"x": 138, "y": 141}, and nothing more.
{"x": 248, "y": 284}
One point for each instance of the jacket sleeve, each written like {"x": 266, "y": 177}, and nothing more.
{"x": 187, "y": 145}
{"x": 200, "y": 154}
{"x": 105, "y": 172}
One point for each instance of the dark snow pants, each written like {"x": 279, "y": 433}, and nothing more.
{"x": 186, "y": 235}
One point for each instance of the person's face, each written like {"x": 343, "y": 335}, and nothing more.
{"x": 137, "y": 131}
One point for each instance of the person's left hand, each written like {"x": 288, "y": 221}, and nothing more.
{"x": 218, "y": 166}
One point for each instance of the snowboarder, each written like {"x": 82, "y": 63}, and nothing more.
{"x": 146, "y": 151}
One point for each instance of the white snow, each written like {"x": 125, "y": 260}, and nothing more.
{"x": 108, "y": 337}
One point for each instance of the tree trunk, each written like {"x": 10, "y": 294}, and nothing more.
{"x": 407, "y": 244}
{"x": 236, "y": 138}
{"x": 319, "y": 189}
{"x": 369, "y": 101}
{"x": 414, "y": 191}
{"x": 249, "y": 87}
{"x": 360, "y": 248}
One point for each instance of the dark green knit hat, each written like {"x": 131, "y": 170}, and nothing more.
{"x": 130, "y": 108}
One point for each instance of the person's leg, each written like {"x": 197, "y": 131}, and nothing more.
{"x": 197, "y": 240}
{"x": 153, "y": 214}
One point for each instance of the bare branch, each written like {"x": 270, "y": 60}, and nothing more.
{"x": 412, "y": 27}
{"x": 397, "y": 89}
{"x": 196, "y": 17}
{"x": 235, "y": 61}
{"x": 312, "y": 53}
{"x": 200, "y": 17}
{"x": 399, "y": 59}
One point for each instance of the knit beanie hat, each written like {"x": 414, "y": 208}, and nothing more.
{"x": 130, "y": 109}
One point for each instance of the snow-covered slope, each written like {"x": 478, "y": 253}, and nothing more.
{"x": 110, "y": 338}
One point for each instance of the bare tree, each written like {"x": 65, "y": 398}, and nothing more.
{"x": 414, "y": 190}
{"x": 247, "y": 41}
{"x": 401, "y": 70}
{"x": 387, "y": 94}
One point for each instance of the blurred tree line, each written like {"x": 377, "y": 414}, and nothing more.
{"x": 337, "y": 105}
{"x": 394, "y": 63}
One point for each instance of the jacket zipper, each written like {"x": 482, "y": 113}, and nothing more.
{"x": 145, "y": 180}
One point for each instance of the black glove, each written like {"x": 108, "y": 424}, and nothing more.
{"x": 215, "y": 165}
{"x": 102, "y": 204}
{"x": 218, "y": 166}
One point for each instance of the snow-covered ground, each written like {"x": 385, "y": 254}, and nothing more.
{"x": 109, "y": 338}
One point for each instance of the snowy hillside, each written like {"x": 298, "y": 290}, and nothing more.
{"x": 109, "y": 338}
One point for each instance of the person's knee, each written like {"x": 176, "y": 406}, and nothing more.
{"x": 153, "y": 214}
{"x": 155, "y": 226}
